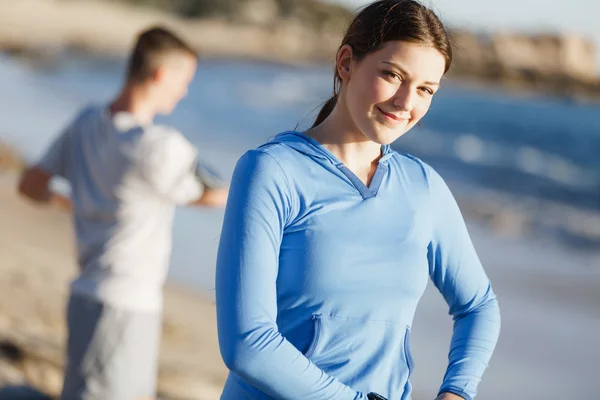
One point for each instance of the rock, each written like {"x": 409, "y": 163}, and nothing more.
{"x": 546, "y": 55}
{"x": 561, "y": 63}
{"x": 258, "y": 12}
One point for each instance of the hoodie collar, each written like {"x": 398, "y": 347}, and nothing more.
{"x": 311, "y": 147}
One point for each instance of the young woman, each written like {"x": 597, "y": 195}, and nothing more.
{"x": 329, "y": 235}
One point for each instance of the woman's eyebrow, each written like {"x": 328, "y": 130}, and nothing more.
{"x": 403, "y": 72}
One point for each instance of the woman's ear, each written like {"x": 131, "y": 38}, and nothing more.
{"x": 344, "y": 62}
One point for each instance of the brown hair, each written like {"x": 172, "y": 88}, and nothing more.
{"x": 149, "y": 50}
{"x": 384, "y": 21}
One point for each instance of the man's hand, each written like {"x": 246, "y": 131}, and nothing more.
{"x": 448, "y": 396}
{"x": 61, "y": 202}
{"x": 34, "y": 185}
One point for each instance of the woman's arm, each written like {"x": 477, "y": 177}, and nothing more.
{"x": 456, "y": 271}
{"x": 257, "y": 211}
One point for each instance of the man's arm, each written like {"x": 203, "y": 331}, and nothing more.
{"x": 212, "y": 198}
{"x": 215, "y": 187}
{"x": 35, "y": 186}
{"x": 171, "y": 166}
{"x": 35, "y": 181}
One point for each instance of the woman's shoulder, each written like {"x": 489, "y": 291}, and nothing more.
{"x": 419, "y": 173}
{"x": 267, "y": 162}
{"x": 266, "y": 154}
{"x": 413, "y": 166}
{"x": 276, "y": 152}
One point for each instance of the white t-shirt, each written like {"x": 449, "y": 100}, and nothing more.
{"x": 125, "y": 182}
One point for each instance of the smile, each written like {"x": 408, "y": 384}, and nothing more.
{"x": 392, "y": 119}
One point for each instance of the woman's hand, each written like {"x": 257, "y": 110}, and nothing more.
{"x": 448, "y": 396}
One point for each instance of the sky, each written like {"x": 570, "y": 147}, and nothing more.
{"x": 571, "y": 15}
{"x": 578, "y": 16}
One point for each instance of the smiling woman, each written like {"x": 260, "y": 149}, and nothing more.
{"x": 404, "y": 56}
{"x": 330, "y": 236}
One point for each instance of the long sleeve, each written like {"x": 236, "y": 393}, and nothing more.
{"x": 258, "y": 208}
{"x": 456, "y": 271}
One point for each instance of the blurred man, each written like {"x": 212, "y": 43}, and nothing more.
{"x": 126, "y": 175}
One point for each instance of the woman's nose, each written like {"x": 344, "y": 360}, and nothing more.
{"x": 404, "y": 99}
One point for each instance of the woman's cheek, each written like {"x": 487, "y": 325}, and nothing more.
{"x": 419, "y": 112}
{"x": 383, "y": 91}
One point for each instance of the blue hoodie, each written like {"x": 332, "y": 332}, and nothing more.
{"x": 319, "y": 276}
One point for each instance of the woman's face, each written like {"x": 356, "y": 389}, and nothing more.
{"x": 390, "y": 90}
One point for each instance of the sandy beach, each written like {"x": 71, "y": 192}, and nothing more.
{"x": 37, "y": 263}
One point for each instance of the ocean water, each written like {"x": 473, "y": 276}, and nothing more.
{"x": 531, "y": 157}
{"x": 523, "y": 161}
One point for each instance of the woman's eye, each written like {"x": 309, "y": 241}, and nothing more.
{"x": 392, "y": 75}
{"x": 427, "y": 90}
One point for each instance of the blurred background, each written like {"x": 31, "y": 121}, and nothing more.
{"x": 515, "y": 131}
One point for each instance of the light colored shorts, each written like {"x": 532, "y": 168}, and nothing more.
{"x": 112, "y": 354}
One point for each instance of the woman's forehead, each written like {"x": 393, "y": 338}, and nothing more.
{"x": 414, "y": 58}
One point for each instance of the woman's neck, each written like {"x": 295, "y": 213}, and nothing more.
{"x": 345, "y": 141}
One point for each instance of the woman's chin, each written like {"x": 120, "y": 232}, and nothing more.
{"x": 386, "y": 135}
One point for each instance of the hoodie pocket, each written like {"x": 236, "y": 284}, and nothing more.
{"x": 316, "y": 333}
{"x": 364, "y": 354}
{"x": 409, "y": 360}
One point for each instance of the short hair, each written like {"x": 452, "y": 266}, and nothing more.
{"x": 149, "y": 51}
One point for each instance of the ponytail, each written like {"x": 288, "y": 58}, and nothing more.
{"x": 325, "y": 110}
{"x": 330, "y": 104}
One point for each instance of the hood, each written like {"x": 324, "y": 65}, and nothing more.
{"x": 312, "y": 148}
